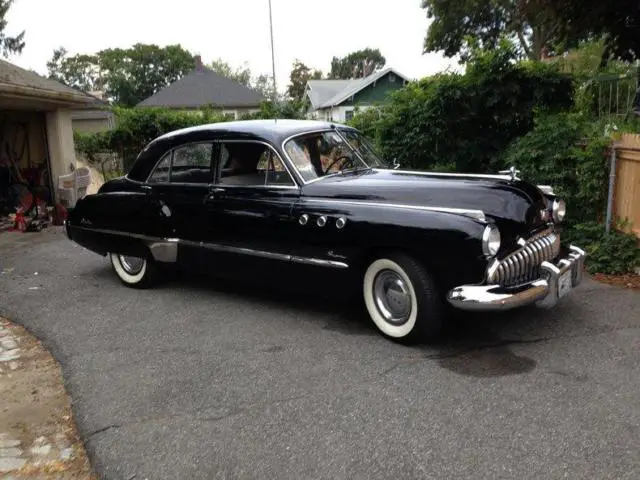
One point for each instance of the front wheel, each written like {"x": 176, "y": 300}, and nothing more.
{"x": 135, "y": 272}
{"x": 402, "y": 298}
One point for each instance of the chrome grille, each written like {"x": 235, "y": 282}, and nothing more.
{"x": 523, "y": 265}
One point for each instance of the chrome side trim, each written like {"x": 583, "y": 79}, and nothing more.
{"x": 241, "y": 250}
{"x": 163, "y": 250}
{"x": 319, "y": 262}
{"x": 475, "y": 214}
{"x": 166, "y": 249}
{"x": 488, "y": 176}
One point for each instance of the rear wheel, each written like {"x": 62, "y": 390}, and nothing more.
{"x": 133, "y": 271}
{"x": 402, "y": 298}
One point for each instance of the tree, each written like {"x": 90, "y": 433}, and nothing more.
{"x": 242, "y": 75}
{"x": 127, "y": 76}
{"x": 537, "y": 27}
{"x": 357, "y": 64}
{"x": 298, "y": 78}
{"x": 617, "y": 22}
{"x": 9, "y": 45}
{"x": 80, "y": 71}
{"x": 262, "y": 83}
{"x": 459, "y": 25}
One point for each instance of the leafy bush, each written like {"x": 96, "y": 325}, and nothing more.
{"x": 615, "y": 252}
{"x": 269, "y": 110}
{"x": 135, "y": 127}
{"x": 90, "y": 144}
{"x": 569, "y": 152}
{"x": 466, "y": 120}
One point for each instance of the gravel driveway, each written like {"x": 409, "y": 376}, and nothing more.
{"x": 201, "y": 379}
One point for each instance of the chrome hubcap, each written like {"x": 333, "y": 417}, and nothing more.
{"x": 131, "y": 265}
{"x": 392, "y": 297}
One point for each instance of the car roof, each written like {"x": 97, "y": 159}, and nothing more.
{"x": 272, "y": 131}
{"x": 276, "y": 130}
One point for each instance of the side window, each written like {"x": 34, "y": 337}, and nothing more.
{"x": 252, "y": 164}
{"x": 192, "y": 163}
{"x": 187, "y": 164}
{"x": 162, "y": 171}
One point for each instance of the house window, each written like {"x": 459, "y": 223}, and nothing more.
{"x": 348, "y": 115}
{"x": 392, "y": 78}
{"x": 230, "y": 113}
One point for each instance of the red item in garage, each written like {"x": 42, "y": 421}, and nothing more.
{"x": 59, "y": 214}
{"x": 20, "y": 222}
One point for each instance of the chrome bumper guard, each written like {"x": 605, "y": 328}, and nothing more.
{"x": 544, "y": 292}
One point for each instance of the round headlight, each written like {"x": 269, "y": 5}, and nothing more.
{"x": 490, "y": 240}
{"x": 559, "y": 210}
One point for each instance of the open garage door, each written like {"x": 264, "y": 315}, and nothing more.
{"x": 25, "y": 178}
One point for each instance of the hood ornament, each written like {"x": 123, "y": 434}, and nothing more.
{"x": 513, "y": 171}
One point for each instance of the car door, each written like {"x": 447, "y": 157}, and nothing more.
{"x": 179, "y": 186}
{"x": 249, "y": 221}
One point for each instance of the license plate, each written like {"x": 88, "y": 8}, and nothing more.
{"x": 564, "y": 284}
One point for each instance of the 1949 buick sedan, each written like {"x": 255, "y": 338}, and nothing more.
{"x": 312, "y": 204}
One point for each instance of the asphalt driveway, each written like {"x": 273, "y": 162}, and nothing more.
{"x": 202, "y": 379}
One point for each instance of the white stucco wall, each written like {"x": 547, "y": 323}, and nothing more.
{"x": 62, "y": 152}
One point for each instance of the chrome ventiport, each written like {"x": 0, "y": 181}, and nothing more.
{"x": 322, "y": 221}
{"x": 304, "y": 218}
{"x": 341, "y": 222}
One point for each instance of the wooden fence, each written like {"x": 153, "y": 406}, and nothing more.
{"x": 627, "y": 187}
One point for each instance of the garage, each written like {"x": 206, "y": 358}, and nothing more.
{"x": 37, "y": 155}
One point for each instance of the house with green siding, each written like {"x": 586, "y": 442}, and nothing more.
{"x": 336, "y": 100}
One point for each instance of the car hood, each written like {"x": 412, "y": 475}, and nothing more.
{"x": 514, "y": 204}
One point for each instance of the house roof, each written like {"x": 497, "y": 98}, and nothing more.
{"x": 319, "y": 91}
{"x": 20, "y": 82}
{"x": 329, "y": 93}
{"x": 204, "y": 87}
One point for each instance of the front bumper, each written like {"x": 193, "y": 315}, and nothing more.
{"x": 544, "y": 292}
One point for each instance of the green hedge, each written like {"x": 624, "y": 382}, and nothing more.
{"x": 465, "y": 121}
{"x": 135, "y": 127}
{"x": 570, "y": 152}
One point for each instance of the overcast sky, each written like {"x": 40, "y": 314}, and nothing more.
{"x": 234, "y": 30}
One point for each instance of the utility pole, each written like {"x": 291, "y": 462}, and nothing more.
{"x": 273, "y": 57}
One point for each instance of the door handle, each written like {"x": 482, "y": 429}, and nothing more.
{"x": 214, "y": 192}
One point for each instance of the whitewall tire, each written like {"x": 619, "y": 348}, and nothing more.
{"x": 133, "y": 271}
{"x": 402, "y": 299}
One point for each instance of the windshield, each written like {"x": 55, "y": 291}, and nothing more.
{"x": 319, "y": 154}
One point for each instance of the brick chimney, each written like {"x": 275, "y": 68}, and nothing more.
{"x": 198, "y": 60}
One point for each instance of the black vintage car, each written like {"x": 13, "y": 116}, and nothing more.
{"x": 312, "y": 204}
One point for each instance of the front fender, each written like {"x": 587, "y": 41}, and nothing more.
{"x": 448, "y": 244}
